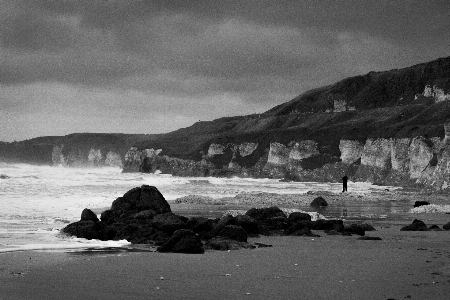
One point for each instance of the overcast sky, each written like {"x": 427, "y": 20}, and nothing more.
{"x": 136, "y": 66}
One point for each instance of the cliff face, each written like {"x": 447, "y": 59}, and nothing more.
{"x": 404, "y": 161}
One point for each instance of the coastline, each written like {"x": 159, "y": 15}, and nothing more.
{"x": 403, "y": 265}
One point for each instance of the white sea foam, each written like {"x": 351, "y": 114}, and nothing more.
{"x": 431, "y": 208}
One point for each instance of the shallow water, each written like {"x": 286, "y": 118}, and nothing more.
{"x": 37, "y": 201}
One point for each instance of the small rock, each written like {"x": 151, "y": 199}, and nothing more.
{"x": 319, "y": 201}
{"x": 417, "y": 225}
{"x": 421, "y": 203}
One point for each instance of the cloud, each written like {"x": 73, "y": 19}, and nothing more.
{"x": 190, "y": 60}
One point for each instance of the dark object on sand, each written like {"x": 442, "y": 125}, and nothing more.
{"x": 319, "y": 201}
{"x": 416, "y": 225}
{"x": 434, "y": 228}
{"x": 223, "y": 244}
{"x": 234, "y": 232}
{"x": 369, "y": 238}
{"x": 421, "y": 203}
{"x": 446, "y": 226}
{"x": 3, "y": 176}
{"x": 354, "y": 229}
{"x": 183, "y": 241}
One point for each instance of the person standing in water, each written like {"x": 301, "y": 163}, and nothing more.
{"x": 344, "y": 183}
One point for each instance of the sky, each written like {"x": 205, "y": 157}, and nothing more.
{"x": 142, "y": 66}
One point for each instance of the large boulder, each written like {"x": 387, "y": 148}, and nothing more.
{"x": 142, "y": 198}
{"x": 417, "y": 225}
{"x": 183, "y": 241}
{"x": 234, "y": 232}
{"x": 168, "y": 222}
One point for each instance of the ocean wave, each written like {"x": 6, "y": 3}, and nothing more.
{"x": 69, "y": 244}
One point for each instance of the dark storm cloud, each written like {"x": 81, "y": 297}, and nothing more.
{"x": 100, "y": 41}
{"x": 187, "y": 60}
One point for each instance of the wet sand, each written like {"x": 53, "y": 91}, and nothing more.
{"x": 403, "y": 265}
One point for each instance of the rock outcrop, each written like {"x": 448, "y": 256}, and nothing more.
{"x": 143, "y": 216}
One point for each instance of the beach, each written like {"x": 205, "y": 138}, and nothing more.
{"x": 403, "y": 265}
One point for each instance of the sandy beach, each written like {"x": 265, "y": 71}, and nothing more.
{"x": 403, "y": 265}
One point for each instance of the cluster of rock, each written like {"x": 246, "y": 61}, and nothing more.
{"x": 418, "y": 225}
{"x": 142, "y": 215}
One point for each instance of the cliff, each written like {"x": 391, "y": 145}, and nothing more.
{"x": 385, "y": 127}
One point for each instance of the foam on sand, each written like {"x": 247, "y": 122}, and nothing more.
{"x": 431, "y": 208}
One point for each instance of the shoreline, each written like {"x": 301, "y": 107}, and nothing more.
{"x": 403, "y": 265}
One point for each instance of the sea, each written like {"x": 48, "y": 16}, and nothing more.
{"x": 36, "y": 202}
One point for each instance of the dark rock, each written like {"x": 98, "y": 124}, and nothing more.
{"x": 234, "y": 232}
{"x": 88, "y": 215}
{"x": 416, "y": 225}
{"x": 226, "y": 220}
{"x": 446, "y": 226}
{"x": 199, "y": 224}
{"x": 276, "y": 223}
{"x": 168, "y": 222}
{"x": 120, "y": 204}
{"x": 298, "y": 216}
{"x": 85, "y": 229}
{"x": 248, "y": 223}
{"x": 270, "y": 218}
{"x": 421, "y": 203}
{"x": 337, "y": 225}
{"x": 145, "y": 214}
{"x": 319, "y": 201}
{"x": 3, "y": 176}
{"x": 183, "y": 241}
{"x": 369, "y": 238}
{"x": 143, "y": 198}
{"x": 293, "y": 227}
{"x": 183, "y": 218}
{"x": 434, "y": 228}
{"x": 221, "y": 243}
{"x": 355, "y": 229}
{"x": 108, "y": 217}
{"x": 262, "y": 214}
